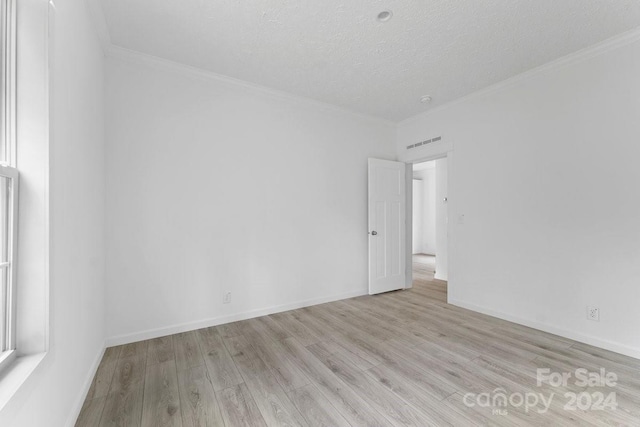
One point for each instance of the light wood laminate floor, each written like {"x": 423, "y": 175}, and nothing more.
{"x": 402, "y": 358}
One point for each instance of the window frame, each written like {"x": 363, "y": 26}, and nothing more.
{"x": 8, "y": 346}
{"x": 8, "y": 81}
{"x": 7, "y": 169}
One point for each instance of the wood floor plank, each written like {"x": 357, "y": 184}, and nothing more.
{"x": 478, "y": 416}
{"x": 104, "y": 375}
{"x": 187, "y": 350}
{"x": 408, "y": 336}
{"x": 130, "y": 368}
{"x": 317, "y": 327}
{"x": 270, "y": 328}
{"x": 415, "y": 372}
{"x": 518, "y": 383}
{"x": 276, "y": 357}
{"x": 430, "y": 406}
{"x": 539, "y": 338}
{"x": 365, "y": 307}
{"x": 136, "y": 349}
{"x": 607, "y": 355}
{"x": 274, "y": 404}
{"x": 295, "y": 328}
{"x": 345, "y": 328}
{"x": 453, "y": 372}
{"x": 332, "y": 347}
{"x": 391, "y": 406}
{"x": 238, "y": 407}
{"x": 91, "y": 412}
{"x": 346, "y": 401}
{"x": 161, "y": 407}
{"x": 160, "y": 350}
{"x": 456, "y": 347}
{"x": 221, "y": 367}
{"x": 357, "y": 341}
{"x": 246, "y": 358}
{"x": 229, "y": 329}
{"x": 123, "y": 408}
{"x": 315, "y": 408}
{"x": 355, "y": 321}
{"x": 361, "y": 346}
{"x": 198, "y": 402}
{"x": 400, "y": 358}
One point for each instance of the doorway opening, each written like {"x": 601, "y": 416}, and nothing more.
{"x": 429, "y": 226}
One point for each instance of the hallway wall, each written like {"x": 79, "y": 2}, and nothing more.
{"x": 425, "y": 219}
{"x": 543, "y": 236}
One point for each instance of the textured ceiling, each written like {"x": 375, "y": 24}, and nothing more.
{"x": 337, "y": 52}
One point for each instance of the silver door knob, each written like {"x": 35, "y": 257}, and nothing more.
{"x": 374, "y": 233}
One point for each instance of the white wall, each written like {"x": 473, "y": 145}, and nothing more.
{"x": 425, "y": 219}
{"x": 214, "y": 186}
{"x": 417, "y": 217}
{"x": 53, "y": 393}
{"x": 441, "y": 221}
{"x": 544, "y": 236}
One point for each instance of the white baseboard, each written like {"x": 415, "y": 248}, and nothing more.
{"x": 77, "y": 407}
{"x": 440, "y": 276}
{"x": 576, "y": 336}
{"x": 205, "y": 323}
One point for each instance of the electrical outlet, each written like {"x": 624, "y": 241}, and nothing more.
{"x": 226, "y": 298}
{"x": 593, "y": 313}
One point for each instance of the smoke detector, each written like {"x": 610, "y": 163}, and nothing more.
{"x": 385, "y": 15}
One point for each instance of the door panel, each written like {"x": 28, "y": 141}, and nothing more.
{"x": 386, "y": 226}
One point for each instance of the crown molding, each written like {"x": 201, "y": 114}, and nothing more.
{"x": 584, "y": 54}
{"x": 114, "y": 51}
{"x": 111, "y": 50}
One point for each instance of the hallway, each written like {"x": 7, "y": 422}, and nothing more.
{"x": 424, "y": 267}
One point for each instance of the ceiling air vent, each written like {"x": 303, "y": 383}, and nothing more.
{"x": 421, "y": 143}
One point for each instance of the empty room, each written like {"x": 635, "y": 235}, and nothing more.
{"x": 296, "y": 213}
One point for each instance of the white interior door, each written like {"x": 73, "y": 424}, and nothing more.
{"x": 386, "y": 226}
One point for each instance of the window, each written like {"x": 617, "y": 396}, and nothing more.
{"x": 8, "y": 184}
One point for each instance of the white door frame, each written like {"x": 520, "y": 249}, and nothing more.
{"x": 447, "y": 153}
